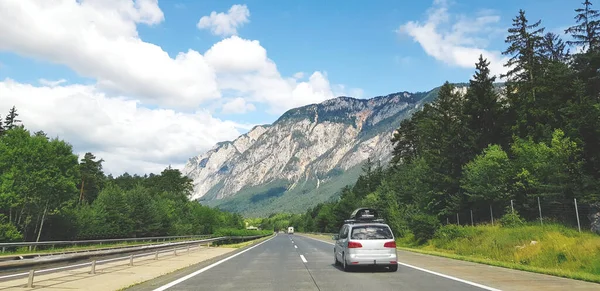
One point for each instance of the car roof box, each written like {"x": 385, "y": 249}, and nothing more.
{"x": 364, "y": 214}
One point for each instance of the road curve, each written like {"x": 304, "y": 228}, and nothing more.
{"x": 292, "y": 262}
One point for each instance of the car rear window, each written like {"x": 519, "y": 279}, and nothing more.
{"x": 371, "y": 232}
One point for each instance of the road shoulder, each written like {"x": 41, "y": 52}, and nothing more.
{"x": 496, "y": 277}
{"x": 119, "y": 275}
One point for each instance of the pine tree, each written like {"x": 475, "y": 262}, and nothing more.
{"x": 586, "y": 33}
{"x": 405, "y": 141}
{"x": 11, "y": 120}
{"x": 1, "y": 126}
{"x": 553, "y": 48}
{"x": 92, "y": 178}
{"x": 483, "y": 109}
{"x": 446, "y": 146}
{"x": 524, "y": 75}
{"x": 524, "y": 49}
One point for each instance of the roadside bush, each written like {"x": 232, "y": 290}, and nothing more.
{"x": 511, "y": 219}
{"x": 423, "y": 227}
{"x": 8, "y": 232}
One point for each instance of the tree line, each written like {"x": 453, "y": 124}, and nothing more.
{"x": 46, "y": 193}
{"x": 539, "y": 136}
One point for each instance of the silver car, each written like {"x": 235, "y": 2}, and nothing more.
{"x": 365, "y": 243}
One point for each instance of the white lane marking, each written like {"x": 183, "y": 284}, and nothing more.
{"x": 450, "y": 277}
{"x": 169, "y": 285}
{"x": 303, "y": 258}
{"x": 431, "y": 272}
{"x": 295, "y": 246}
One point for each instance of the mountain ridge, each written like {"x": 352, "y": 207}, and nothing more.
{"x": 320, "y": 148}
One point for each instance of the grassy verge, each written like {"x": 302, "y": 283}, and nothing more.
{"x": 550, "y": 249}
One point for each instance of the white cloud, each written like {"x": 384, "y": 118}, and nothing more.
{"x": 99, "y": 39}
{"x": 462, "y": 43}
{"x": 237, "y": 55}
{"x": 238, "y": 106}
{"x": 128, "y": 137}
{"x": 244, "y": 67}
{"x": 299, "y": 75}
{"x": 51, "y": 83}
{"x": 225, "y": 24}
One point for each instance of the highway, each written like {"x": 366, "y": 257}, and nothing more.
{"x": 293, "y": 262}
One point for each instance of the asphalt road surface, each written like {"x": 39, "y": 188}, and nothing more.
{"x": 292, "y": 262}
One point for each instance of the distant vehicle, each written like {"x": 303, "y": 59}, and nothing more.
{"x": 290, "y": 230}
{"x": 365, "y": 240}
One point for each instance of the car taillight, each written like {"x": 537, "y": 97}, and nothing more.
{"x": 353, "y": 244}
{"x": 390, "y": 244}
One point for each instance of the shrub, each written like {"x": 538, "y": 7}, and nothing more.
{"x": 8, "y": 232}
{"x": 511, "y": 219}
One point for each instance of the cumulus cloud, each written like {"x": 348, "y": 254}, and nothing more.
{"x": 238, "y": 106}
{"x": 127, "y": 136}
{"x": 462, "y": 42}
{"x": 99, "y": 39}
{"x": 112, "y": 118}
{"x": 225, "y": 24}
{"x": 244, "y": 67}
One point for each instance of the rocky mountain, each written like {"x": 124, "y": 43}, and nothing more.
{"x": 303, "y": 158}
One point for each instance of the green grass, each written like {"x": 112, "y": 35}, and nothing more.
{"x": 559, "y": 251}
{"x": 244, "y": 244}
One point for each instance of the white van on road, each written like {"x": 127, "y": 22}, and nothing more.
{"x": 290, "y": 230}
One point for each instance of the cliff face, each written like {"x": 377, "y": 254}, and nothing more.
{"x": 303, "y": 158}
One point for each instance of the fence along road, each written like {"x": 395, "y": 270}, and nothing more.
{"x": 572, "y": 213}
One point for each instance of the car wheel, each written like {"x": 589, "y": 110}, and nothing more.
{"x": 335, "y": 260}
{"x": 393, "y": 268}
{"x": 345, "y": 264}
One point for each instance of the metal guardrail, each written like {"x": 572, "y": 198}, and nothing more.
{"x": 94, "y": 263}
{"x": 4, "y": 246}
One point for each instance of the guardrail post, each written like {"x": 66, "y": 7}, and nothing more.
{"x": 131, "y": 260}
{"x": 156, "y": 255}
{"x": 175, "y": 252}
{"x": 30, "y": 281}
{"x": 3, "y": 249}
{"x": 93, "y": 271}
{"x": 30, "y": 248}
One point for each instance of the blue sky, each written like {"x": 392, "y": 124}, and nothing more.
{"x": 357, "y": 49}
